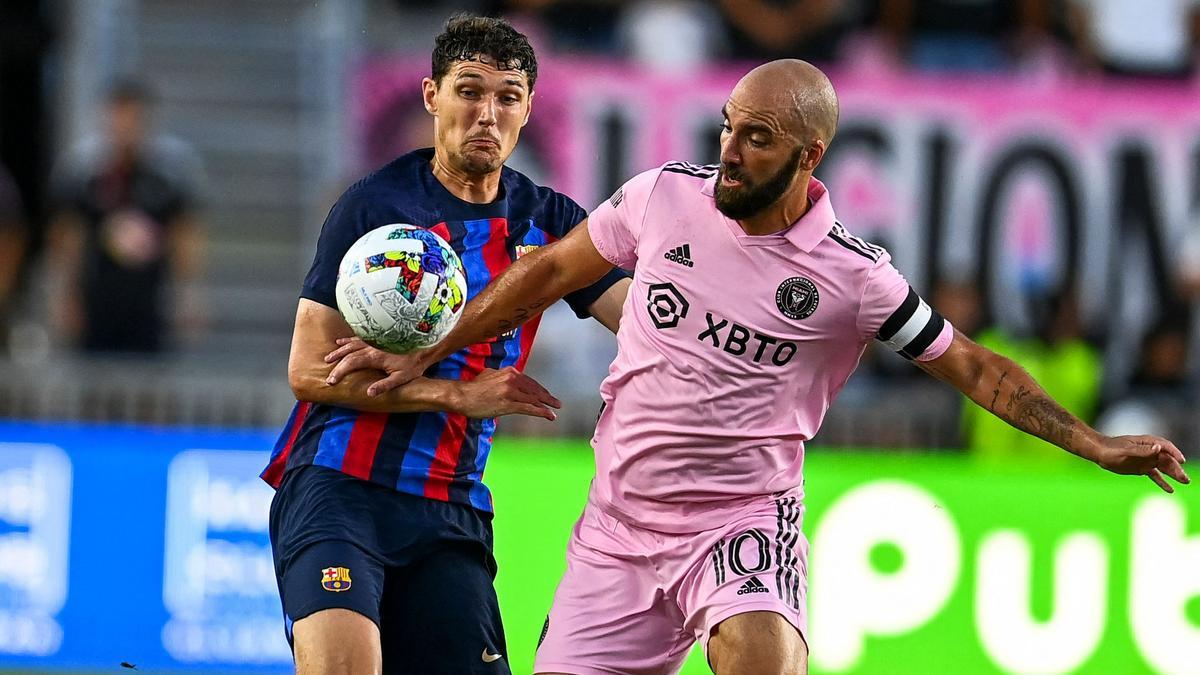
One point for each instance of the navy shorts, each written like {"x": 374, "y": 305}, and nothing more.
{"x": 421, "y": 569}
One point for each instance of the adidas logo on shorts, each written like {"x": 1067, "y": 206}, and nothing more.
{"x": 753, "y": 585}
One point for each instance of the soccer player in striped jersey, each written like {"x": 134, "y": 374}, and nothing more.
{"x": 750, "y": 308}
{"x": 381, "y": 522}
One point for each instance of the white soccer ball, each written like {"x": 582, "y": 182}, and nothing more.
{"x": 401, "y": 287}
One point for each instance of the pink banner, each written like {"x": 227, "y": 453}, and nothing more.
{"x": 1018, "y": 185}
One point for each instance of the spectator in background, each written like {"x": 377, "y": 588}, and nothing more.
{"x": 1161, "y": 396}
{"x": 1188, "y": 284}
{"x": 959, "y": 302}
{"x": 1058, "y": 357}
{"x": 1136, "y": 37}
{"x": 1189, "y": 262}
{"x": 974, "y": 35}
{"x": 568, "y": 25}
{"x": 670, "y": 35}
{"x": 124, "y": 229}
{"x": 13, "y": 238}
{"x": 811, "y": 30}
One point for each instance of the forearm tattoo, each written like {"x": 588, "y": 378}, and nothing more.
{"x": 1017, "y": 396}
{"x": 1036, "y": 414}
{"x": 520, "y": 316}
{"x": 1046, "y": 419}
{"x": 996, "y": 391}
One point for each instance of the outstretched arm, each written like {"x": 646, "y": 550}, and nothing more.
{"x": 1005, "y": 389}
{"x": 521, "y": 292}
{"x": 491, "y": 394}
{"x": 525, "y": 290}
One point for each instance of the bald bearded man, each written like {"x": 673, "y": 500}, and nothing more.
{"x": 749, "y": 309}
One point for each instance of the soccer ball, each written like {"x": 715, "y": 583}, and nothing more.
{"x": 401, "y": 287}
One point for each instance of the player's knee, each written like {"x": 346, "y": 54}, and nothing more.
{"x": 336, "y": 642}
{"x": 757, "y": 643}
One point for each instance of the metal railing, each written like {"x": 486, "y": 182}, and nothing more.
{"x": 192, "y": 393}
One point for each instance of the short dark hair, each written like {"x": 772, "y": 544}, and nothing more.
{"x": 467, "y": 37}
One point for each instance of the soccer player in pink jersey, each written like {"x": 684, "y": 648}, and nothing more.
{"x": 749, "y": 310}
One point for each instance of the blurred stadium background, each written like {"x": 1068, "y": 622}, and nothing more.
{"x": 1033, "y": 166}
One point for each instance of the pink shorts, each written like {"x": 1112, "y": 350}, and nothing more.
{"x": 633, "y": 601}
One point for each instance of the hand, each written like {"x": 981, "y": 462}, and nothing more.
{"x": 506, "y": 392}
{"x": 352, "y": 354}
{"x": 1143, "y": 455}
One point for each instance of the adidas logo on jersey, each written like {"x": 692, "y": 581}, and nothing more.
{"x": 753, "y": 585}
{"x": 681, "y": 255}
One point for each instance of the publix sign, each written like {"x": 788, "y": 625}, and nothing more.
{"x": 945, "y": 566}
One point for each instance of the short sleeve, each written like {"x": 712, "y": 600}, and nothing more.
{"x": 560, "y": 215}
{"x": 893, "y": 313}
{"x": 582, "y": 299}
{"x": 616, "y": 225}
{"x": 350, "y": 218}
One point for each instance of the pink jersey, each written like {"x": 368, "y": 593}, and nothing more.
{"x": 732, "y": 346}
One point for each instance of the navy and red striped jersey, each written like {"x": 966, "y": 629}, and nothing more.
{"x": 434, "y": 454}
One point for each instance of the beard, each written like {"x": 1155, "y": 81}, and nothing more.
{"x": 750, "y": 198}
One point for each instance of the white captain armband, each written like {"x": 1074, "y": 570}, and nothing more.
{"x": 912, "y": 327}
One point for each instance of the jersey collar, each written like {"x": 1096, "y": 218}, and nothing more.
{"x": 816, "y": 223}
{"x": 812, "y": 227}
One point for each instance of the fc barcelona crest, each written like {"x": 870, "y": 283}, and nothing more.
{"x": 522, "y": 249}
{"x": 336, "y": 579}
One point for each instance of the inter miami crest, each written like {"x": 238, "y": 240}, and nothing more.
{"x": 336, "y": 579}
{"x": 797, "y": 298}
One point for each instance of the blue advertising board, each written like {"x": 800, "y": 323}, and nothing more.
{"x": 135, "y": 545}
